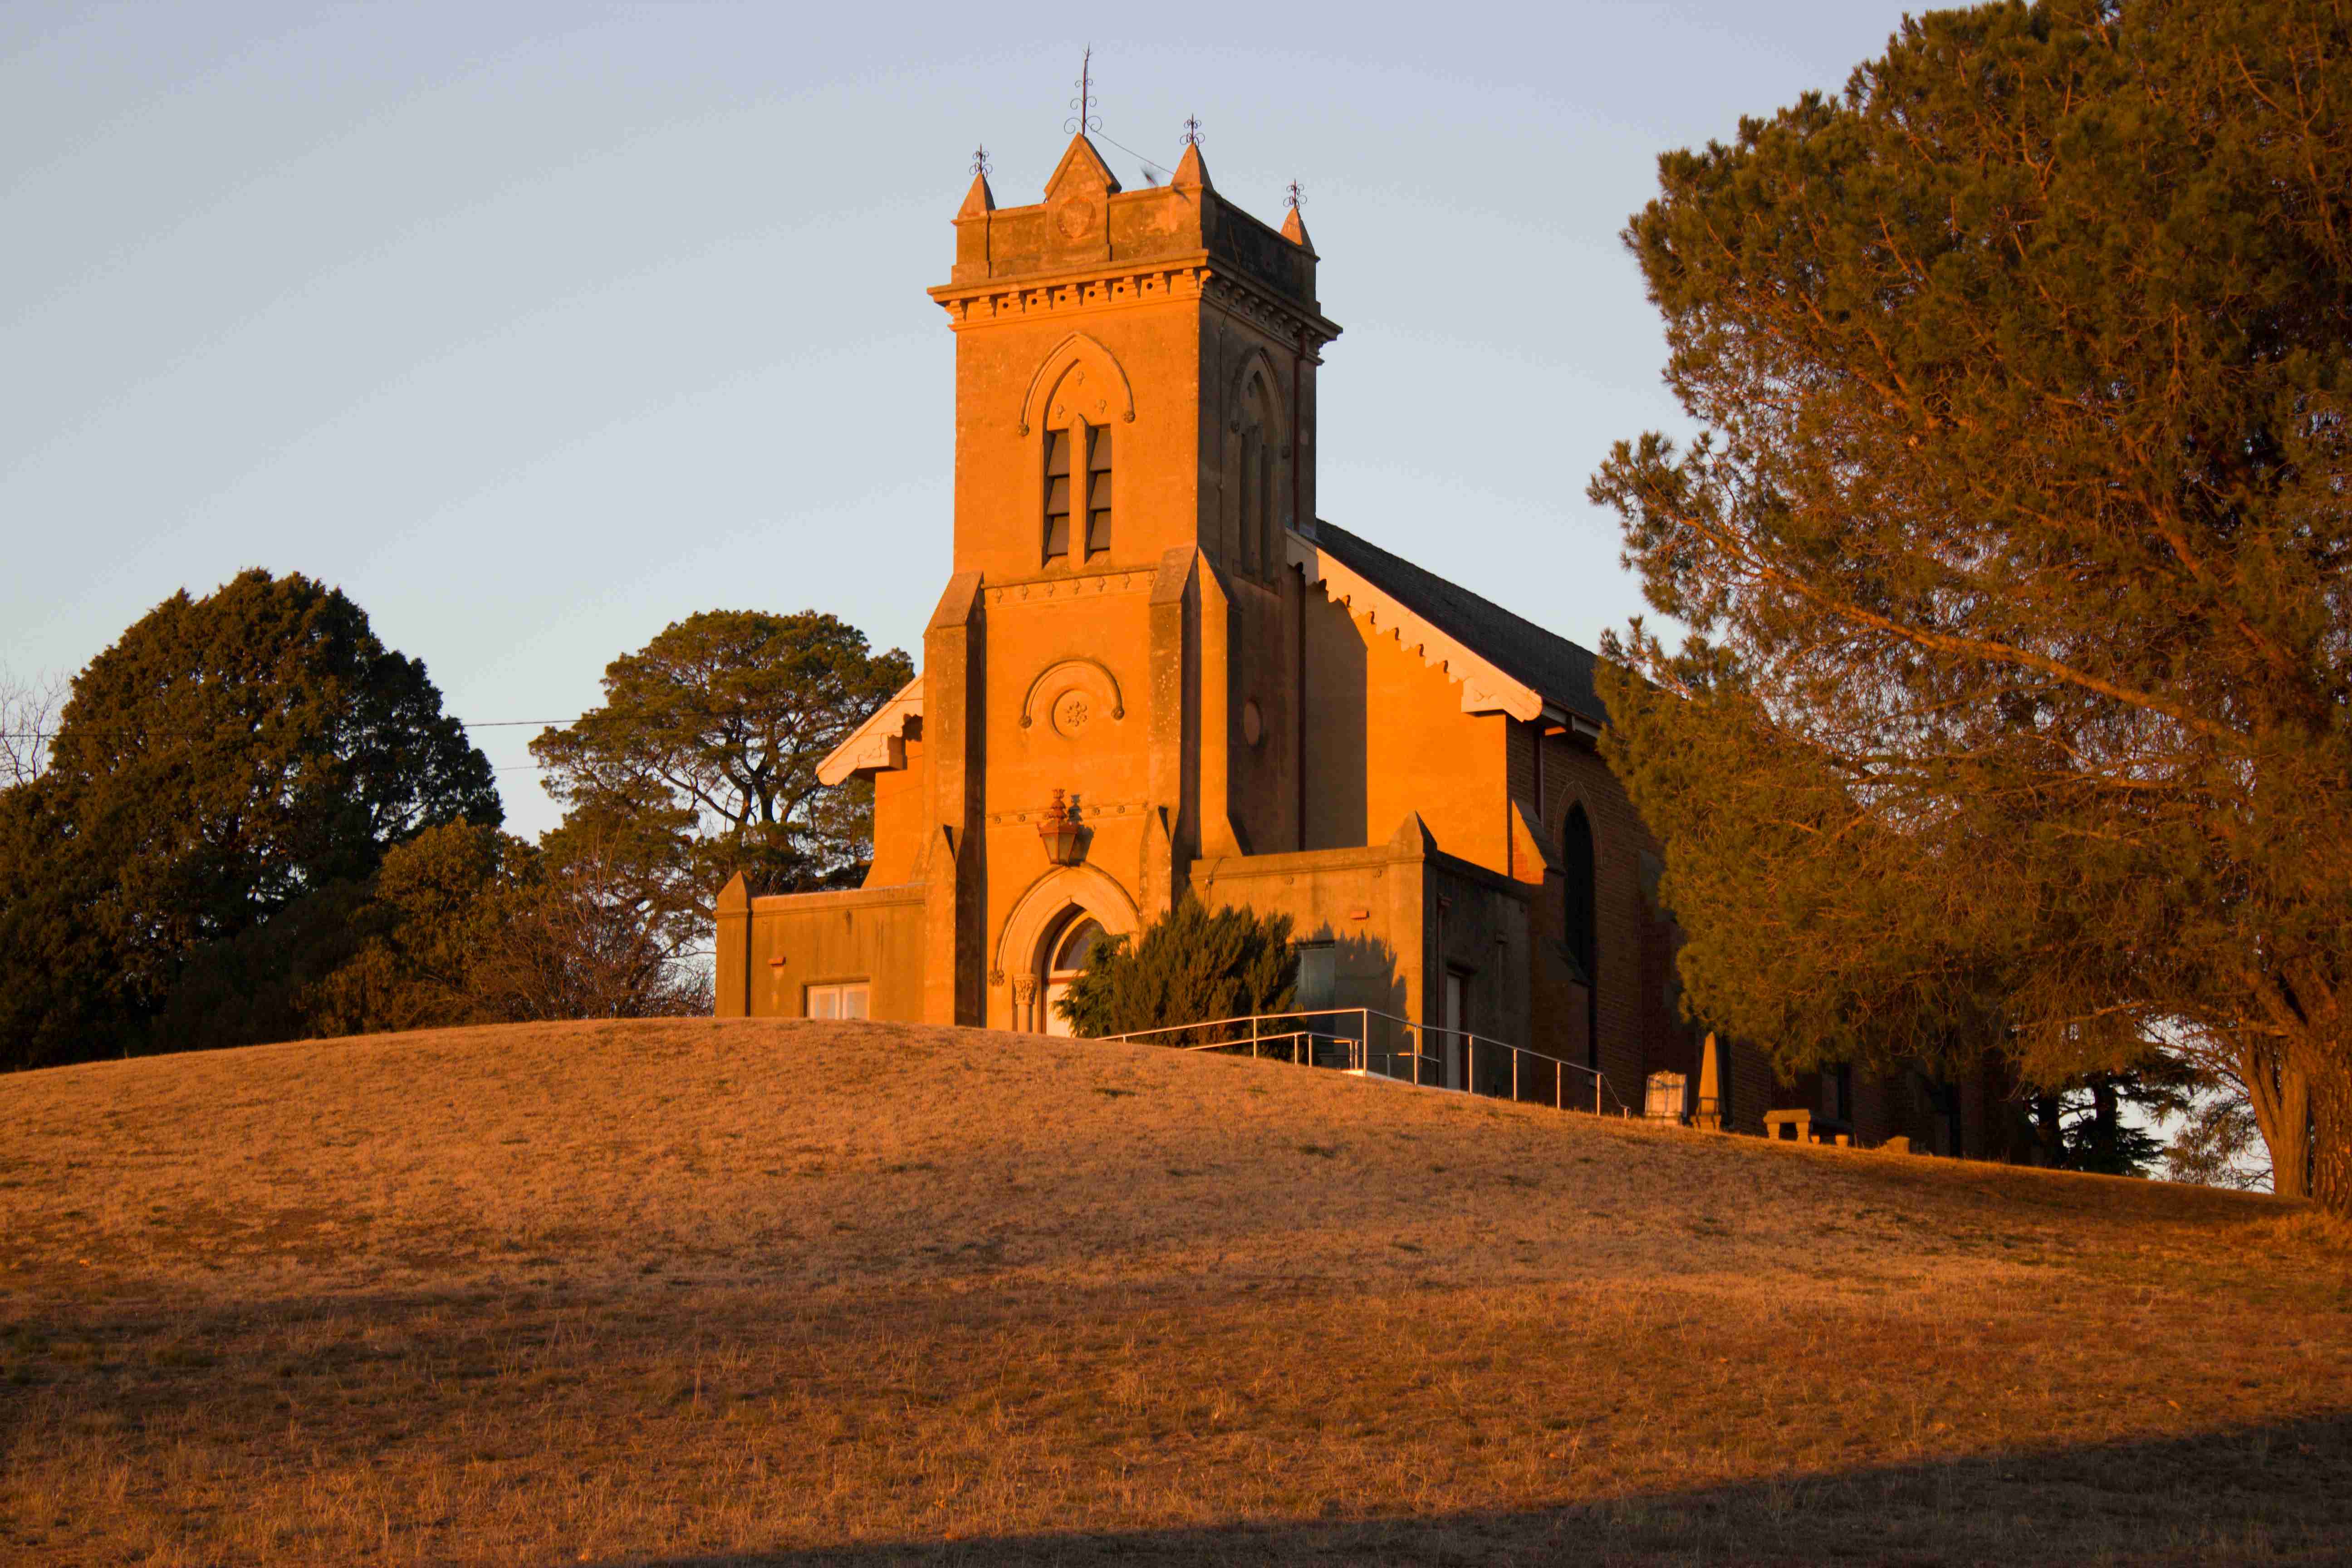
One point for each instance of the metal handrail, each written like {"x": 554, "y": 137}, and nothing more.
{"x": 1245, "y": 1018}
{"x": 1361, "y": 1053}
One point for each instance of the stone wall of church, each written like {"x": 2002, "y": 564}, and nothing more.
{"x": 1367, "y": 901}
{"x": 771, "y": 949}
{"x": 1386, "y": 735}
{"x": 901, "y": 799}
{"x": 1625, "y": 1008}
{"x": 1399, "y": 916}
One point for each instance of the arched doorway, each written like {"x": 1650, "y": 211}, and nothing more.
{"x": 1062, "y": 957}
{"x": 1043, "y": 921}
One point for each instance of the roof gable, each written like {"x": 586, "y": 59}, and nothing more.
{"x": 1505, "y": 662}
{"x": 878, "y": 744}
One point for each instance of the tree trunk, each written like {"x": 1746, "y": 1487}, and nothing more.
{"x": 2049, "y": 1131}
{"x": 2280, "y": 1097}
{"x": 2105, "y": 1122}
{"x": 2330, "y": 1082}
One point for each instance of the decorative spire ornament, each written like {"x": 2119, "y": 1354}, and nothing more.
{"x": 1084, "y": 118}
{"x": 979, "y": 201}
{"x": 1191, "y": 173}
{"x": 1294, "y": 227}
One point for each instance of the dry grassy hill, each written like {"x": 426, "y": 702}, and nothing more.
{"x": 753, "y": 1291}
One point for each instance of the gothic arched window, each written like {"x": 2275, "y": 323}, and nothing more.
{"x": 1067, "y": 956}
{"x": 1077, "y": 485}
{"x": 1254, "y": 513}
{"x": 1576, "y": 872}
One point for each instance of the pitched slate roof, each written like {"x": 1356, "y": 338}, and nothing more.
{"x": 1546, "y": 662}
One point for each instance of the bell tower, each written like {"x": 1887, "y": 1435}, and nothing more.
{"x": 1134, "y": 446}
{"x": 1163, "y": 338}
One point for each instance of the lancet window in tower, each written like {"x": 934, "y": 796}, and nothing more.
{"x": 1097, "y": 491}
{"x": 1254, "y": 513}
{"x": 1057, "y": 495}
{"x": 1266, "y": 530}
{"x": 1251, "y": 460}
{"x": 1078, "y": 491}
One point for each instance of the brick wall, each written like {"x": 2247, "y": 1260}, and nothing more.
{"x": 1632, "y": 945}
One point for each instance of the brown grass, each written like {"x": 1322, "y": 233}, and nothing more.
{"x": 750, "y": 1291}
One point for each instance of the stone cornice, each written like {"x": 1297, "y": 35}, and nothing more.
{"x": 1088, "y": 812}
{"x": 1068, "y": 586}
{"x": 1111, "y": 286}
{"x": 841, "y": 899}
{"x": 1276, "y": 316}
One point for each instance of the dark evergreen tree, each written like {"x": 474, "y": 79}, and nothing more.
{"x": 1188, "y": 967}
{"x": 230, "y": 758}
{"x": 470, "y": 925}
{"x": 2016, "y": 553}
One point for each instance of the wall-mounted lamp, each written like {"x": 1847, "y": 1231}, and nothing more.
{"x": 1063, "y": 834}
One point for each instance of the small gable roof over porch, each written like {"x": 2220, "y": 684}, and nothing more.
{"x": 878, "y": 744}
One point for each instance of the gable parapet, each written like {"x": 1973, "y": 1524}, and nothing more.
{"x": 880, "y": 744}
{"x": 1486, "y": 687}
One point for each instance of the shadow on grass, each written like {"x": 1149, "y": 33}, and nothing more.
{"x": 2278, "y": 1493}
{"x": 485, "y": 1427}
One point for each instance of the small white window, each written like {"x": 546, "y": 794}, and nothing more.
{"x": 837, "y": 1001}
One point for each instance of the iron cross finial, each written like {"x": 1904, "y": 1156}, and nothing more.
{"x": 1084, "y": 119}
{"x": 979, "y": 164}
{"x": 1191, "y": 131}
{"x": 1295, "y": 194}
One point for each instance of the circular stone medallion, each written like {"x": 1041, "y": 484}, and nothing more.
{"x": 1072, "y": 709}
{"x": 1253, "y": 724}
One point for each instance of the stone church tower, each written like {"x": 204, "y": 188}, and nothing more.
{"x": 1134, "y": 435}
{"x": 1153, "y": 669}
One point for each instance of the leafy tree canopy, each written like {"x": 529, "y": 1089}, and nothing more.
{"x": 701, "y": 760}
{"x": 229, "y": 757}
{"x": 2018, "y": 701}
{"x": 469, "y": 925}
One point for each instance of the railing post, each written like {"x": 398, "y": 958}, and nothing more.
{"x": 1596, "y": 1094}
{"x": 1515, "y": 1075}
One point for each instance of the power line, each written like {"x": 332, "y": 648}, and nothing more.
{"x": 464, "y": 723}
{"x": 1148, "y": 163}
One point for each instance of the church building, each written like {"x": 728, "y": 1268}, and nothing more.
{"x": 1151, "y": 648}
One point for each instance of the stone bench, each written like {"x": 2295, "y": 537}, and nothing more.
{"x": 1807, "y": 1127}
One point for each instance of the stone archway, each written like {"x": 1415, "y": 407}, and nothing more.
{"x": 1061, "y": 958}
{"x": 1042, "y": 918}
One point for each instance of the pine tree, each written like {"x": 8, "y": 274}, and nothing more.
{"x": 701, "y": 760}
{"x": 2018, "y": 706}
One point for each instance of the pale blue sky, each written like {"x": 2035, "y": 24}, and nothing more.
{"x": 536, "y": 327}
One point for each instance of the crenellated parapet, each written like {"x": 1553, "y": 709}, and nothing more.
{"x": 1091, "y": 244}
